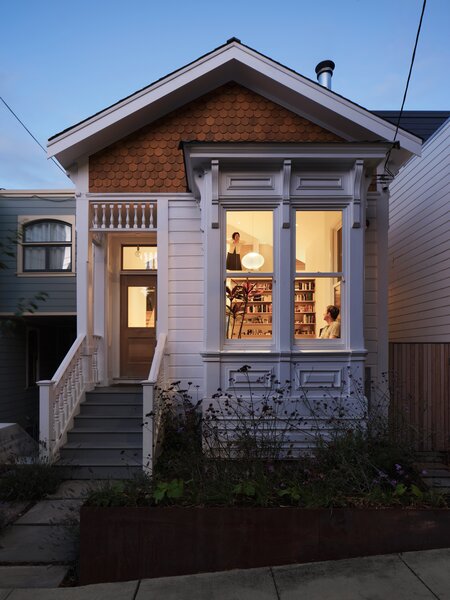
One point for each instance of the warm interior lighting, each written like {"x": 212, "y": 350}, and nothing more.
{"x": 253, "y": 261}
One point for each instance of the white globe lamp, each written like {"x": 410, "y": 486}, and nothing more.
{"x": 253, "y": 261}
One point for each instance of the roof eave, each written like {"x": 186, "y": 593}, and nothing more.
{"x": 230, "y": 62}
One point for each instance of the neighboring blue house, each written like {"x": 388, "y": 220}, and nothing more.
{"x": 38, "y": 229}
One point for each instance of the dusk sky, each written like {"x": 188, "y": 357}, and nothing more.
{"x": 63, "y": 61}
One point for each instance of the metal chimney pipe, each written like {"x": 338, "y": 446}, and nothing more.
{"x": 324, "y": 72}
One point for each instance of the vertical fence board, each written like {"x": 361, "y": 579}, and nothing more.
{"x": 420, "y": 391}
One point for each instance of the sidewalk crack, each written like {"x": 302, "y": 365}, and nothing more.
{"x": 418, "y": 577}
{"x": 275, "y": 584}
{"x": 137, "y": 589}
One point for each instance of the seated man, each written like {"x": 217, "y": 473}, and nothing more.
{"x": 333, "y": 328}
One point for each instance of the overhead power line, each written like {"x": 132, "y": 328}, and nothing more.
{"x": 29, "y": 132}
{"x": 386, "y": 170}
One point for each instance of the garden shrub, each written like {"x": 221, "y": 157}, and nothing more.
{"x": 241, "y": 451}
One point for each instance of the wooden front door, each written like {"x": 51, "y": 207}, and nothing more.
{"x": 137, "y": 324}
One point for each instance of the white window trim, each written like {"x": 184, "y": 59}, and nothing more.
{"x": 244, "y": 204}
{"x": 318, "y": 344}
{"x": 23, "y": 220}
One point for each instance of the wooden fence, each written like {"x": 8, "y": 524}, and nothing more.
{"x": 420, "y": 383}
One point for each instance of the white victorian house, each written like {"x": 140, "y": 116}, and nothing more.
{"x": 233, "y": 143}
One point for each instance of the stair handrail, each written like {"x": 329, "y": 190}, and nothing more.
{"x": 60, "y": 397}
{"x": 151, "y": 412}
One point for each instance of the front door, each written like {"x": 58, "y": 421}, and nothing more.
{"x": 137, "y": 324}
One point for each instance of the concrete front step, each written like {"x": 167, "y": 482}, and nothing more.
{"x": 113, "y": 398}
{"x": 106, "y": 423}
{"x": 99, "y": 470}
{"x": 106, "y": 440}
{"x": 111, "y": 409}
{"x": 79, "y": 435}
{"x": 78, "y": 453}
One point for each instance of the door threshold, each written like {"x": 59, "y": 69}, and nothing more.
{"x": 126, "y": 381}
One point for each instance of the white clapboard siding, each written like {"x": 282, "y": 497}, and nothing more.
{"x": 185, "y": 293}
{"x": 419, "y": 245}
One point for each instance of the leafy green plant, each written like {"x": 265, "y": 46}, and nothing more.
{"x": 165, "y": 491}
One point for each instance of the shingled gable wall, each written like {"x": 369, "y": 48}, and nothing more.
{"x": 149, "y": 160}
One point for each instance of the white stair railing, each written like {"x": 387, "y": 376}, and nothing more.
{"x": 151, "y": 409}
{"x": 60, "y": 397}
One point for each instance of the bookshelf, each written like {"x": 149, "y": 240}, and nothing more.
{"x": 305, "y": 308}
{"x": 254, "y": 317}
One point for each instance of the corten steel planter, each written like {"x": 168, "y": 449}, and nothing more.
{"x": 119, "y": 544}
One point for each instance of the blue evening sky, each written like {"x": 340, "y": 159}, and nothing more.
{"x": 61, "y": 61}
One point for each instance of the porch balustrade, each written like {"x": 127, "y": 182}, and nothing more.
{"x": 152, "y": 413}
{"x": 121, "y": 216}
{"x": 59, "y": 398}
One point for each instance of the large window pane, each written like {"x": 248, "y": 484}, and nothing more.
{"x": 249, "y": 308}
{"x": 34, "y": 259}
{"x": 59, "y": 258}
{"x": 249, "y": 238}
{"x": 317, "y": 304}
{"x": 318, "y": 241}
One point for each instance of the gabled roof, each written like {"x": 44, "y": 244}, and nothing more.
{"x": 233, "y": 61}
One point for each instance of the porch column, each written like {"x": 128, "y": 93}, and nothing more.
{"x": 100, "y": 308}
{"x": 83, "y": 267}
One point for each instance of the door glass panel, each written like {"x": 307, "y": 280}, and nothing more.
{"x": 141, "y": 306}
{"x": 139, "y": 258}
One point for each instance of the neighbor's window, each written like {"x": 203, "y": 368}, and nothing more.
{"x": 47, "y": 246}
{"x": 318, "y": 274}
{"x": 249, "y": 274}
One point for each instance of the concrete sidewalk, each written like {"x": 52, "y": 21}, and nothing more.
{"x": 408, "y": 576}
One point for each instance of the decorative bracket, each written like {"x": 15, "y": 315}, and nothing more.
{"x": 286, "y": 213}
{"x": 357, "y": 194}
{"x": 98, "y": 238}
{"x": 215, "y": 194}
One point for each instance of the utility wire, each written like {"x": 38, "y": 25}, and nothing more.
{"x": 29, "y": 132}
{"x": 386, "y": 170}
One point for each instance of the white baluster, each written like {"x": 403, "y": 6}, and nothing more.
{"x": 65, "y": 408}
{"x": 56, "y": 424}
{"x": 95, "y": 223}
{"x": 73, "y": 388}
{"x": 77, "y": 377}
{"x": 151, "y": 216}
{"x": 142, "y": 215}
{"x": 135, "y": 215}
{"x": 119, "y": 220}
{"x": 80, "y": 371}
{"x": 111, "y": 216}
{"x": 103, "y": 216}
{"x": 127, "y": 216}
